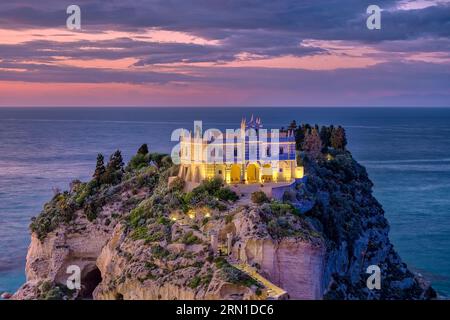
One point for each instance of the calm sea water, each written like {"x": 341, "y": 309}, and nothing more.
{"x": 406, "y": 152}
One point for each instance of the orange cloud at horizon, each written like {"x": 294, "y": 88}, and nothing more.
{"x": 13, "y": 36}
{"x": 117, "y": 94}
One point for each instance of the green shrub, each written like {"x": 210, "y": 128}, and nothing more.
{"x": 176, "y": 184}
{"x": 280, "y": 209}
{"x": 189, "y": 238}
{"x": 138, "y": 161}
{"x": 226, "y": 194}
{"x": 159, "y": 252}
{"x": 259, "y": 197}
{"x": 84, "y": 191}
{"x": 207, "y": 278}
{"x": 236, "y": 276}
{"x": 136, "y": 215}
{"x": 161, "y": 159}
{"x": 210, "y": 186}
{"x": 194, "y": 282}
{"x": 228, "y": 218}
{"x": 164, "y": 221}
{"x": 90, "y": 210}
{"x": 220, "y": 262}
{"x": 139, "y": 233}
{"x": 48, "y": 290}
{"x": 59, "y": 210}
{"x": 150, "y": 265}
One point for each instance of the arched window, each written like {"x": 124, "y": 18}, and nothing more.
{"x": 281, "y": 150}
{"x": 268, "y": 152}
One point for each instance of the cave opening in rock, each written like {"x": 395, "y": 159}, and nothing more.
{"x": 90, "y": 279}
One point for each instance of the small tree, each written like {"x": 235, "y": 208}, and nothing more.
{"x": 116, "y": 161}
{"x": 99, "y": 168}
{"x": 140, "y": 160}
{"x": 338, "y": 138}
{"x": 293, "y": 125}
{"x": 143, "y": 149}
{"x": 325, "y": 136}
{"x": 259, "y": 197}
{"x": 114, "y": 169}
{"x": 299, "y": 137}
{"x": 312, "y": 144}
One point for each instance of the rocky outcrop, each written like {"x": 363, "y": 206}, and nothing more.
{"x": 356, "y": 233}
{"x": 174, "y": 282}
{"x": 64, "y": 247}
{"x": 145, "y": 239}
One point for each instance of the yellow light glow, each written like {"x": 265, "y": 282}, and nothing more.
{"x": 299, "y": 172}
{"x": 191, "y": 214}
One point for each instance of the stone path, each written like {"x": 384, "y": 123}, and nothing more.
{"x": 273, "y": 292}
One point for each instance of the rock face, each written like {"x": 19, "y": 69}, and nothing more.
{"x": 294, "y": 266}
{"x": 112, "y": 264}
{"x": 50, "y": 259}
{"x": 64, "y": 247}
{"x": 356, "y": 232}
{"x": 133, "y": 241}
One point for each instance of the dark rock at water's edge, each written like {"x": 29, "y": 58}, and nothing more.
{"x": 5, "y": 295}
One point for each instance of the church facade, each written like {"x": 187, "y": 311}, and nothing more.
{"x": 250, "y": 154}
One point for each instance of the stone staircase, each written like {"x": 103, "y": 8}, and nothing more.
{"x": 272, "y": 291}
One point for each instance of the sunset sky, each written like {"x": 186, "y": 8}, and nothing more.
{"x": 225, "y": 53}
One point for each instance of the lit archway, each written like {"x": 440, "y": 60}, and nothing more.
{"x": 252, "y": 173}
{"x": 267, "y": 175}
{"x": 196, "y": 174}
{"x": 235, "y": 173}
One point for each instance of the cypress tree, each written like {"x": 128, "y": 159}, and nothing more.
{"x": 116, "y": 161}
{"x": 312, "y": 144}
{"x": 338, "y": 138}
{"x": 293, "y": 125}
{"x": 99, "y": 168}
{"x": 325, "y": 136}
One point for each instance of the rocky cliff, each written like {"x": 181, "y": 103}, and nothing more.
{"x": 140, "y": 237}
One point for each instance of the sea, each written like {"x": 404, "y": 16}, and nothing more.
{"x": 406, "y": 152}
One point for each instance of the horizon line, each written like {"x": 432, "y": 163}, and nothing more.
{"x": 213, "y": 107}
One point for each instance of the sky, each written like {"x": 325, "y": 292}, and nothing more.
{"x": 225, "y": 53}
